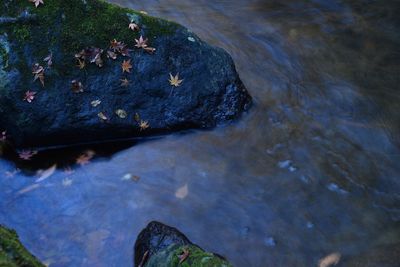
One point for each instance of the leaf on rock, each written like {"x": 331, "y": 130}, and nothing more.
{"x": 143, "y": 125}
{"x": 102, "y": 116}
{"x": 44, "y": 174}
{"x": 124, "y": 82}
{"x": 38, "y": 73}
{"x": 27, "y": 154}
{"x": 85, "y": 157}
{"x": 126, "y": 66}
{"x": 174, "y": 80}
{"x": 133, "y": 26}
{"x": 37, "y": 2}
{"x": 28, "y": 189}
{"x": 29, "y": 96}
{"x": 111, "y": 54}
{"x": 49, "y": 60}
{"x": 76, "y": 86}
{"x": 121, "y": 113}
{"x": 95, "y": 103}
{"x": 184, "y": 255}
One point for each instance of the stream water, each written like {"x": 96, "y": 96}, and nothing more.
{"x": 313, "y": 168}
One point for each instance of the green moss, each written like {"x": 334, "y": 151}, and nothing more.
{"x": 12, "y": 253}
{"x": 197, "y": 258}
{"x": 66, "y": 27}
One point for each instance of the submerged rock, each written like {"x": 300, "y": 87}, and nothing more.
{"x": 13, "y": 253}
{"x": 162, "y": 245}
{"x": 99, "y": 100}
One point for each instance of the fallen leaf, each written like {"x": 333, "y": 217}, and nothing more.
{"x": 38, "y": 72}
{"x": 137, "y": 117}
{"x": 111, "y": 54}
{"x": 97, "y": 57}
{"x": 141, "y": 42}
{"x": 174, "y": 80}
{"x": 144, "y": 125}
{"x": 124, "y": 82}
{"x": 126, "y": 66}
{"x": 102, "y": 116}
{"x": 81, "y": 64}
{"x": 95, "y": 103}
{"x": 330, "y": 260}
{"x": 37, "y": 2}
{"x": 28, "y": 189}
{"x": 182, "y": 192}
{"x": 44, "y": 174}
{"x": 27, "y": 154}
{"x": 85, "y": 158}
{"x": 67, "y": 182}
{"x": 133, "y": 26}
{"x": 144, "y": 259}
{"x": 184, "y": 255}
{"x": 49, "y": 60}
{"x": 121, "y": 113}
{"x": 76, "y": 86}
{"x": 3, "y": 136}
{"x": 143, "y": 12}
{"x": 29, "y": 96}
{"x": 68, "y": 170}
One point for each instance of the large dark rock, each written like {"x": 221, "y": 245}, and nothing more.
{"x": 211, "y": 92}
{"x": 162, "y": 245}
{"x": 13, "y": 253}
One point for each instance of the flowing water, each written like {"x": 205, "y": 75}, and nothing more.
{"x": 313, "y": 168}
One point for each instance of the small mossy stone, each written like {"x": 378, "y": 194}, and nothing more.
{"x": 197, "y": 257}
{"x": 13, "y": 253}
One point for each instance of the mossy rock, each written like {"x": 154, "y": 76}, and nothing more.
{"x": 170, "y": 257}
{"x": 211, "y": 93}
{"x": 13, "y": 253}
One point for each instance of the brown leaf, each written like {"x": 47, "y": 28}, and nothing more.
{"x": 126, "y": 66}
{"x": 76, "y": 86}
{"x": 330, "y": 260}
{"x": 184, "y": 255}
{"x": 174, "y": 80}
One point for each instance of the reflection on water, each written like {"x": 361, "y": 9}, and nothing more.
{"x": 311, "y": 170}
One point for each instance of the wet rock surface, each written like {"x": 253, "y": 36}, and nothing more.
{"x": 211, "y": 92}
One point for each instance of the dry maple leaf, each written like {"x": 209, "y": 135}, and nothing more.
{"x": 85, "y": 157}
{"x": 141, "y": 43}
{"x": 144, "y": 125}
{"x": 174, "y": 80}
{"x": 124, "y": 82}
{"x": 29, "y": 96}
{"x": 37, "y": 2}
{"x": 126, "y": 66}
{"x": 184, "y": 255}
{"x": 133, "y": 26}
{"x": 76, "y": 86}
{"x": 26, "y": 154}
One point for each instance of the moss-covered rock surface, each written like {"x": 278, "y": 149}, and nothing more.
{"x": 211, "y": 91}
{"x": 161, "y": 245}
{"x": 13, "y": 253}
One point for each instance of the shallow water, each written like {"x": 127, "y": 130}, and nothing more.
{"x": 311, "y": 169}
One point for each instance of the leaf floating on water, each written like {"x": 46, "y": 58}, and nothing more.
{"x": 126, "y": 66}
{"x": 38, "y": 72}
{"x": 67, "y": 182}
{"x": 131, "y": 177}
{"x": 76, "y": 86}
{"x": 95, "y": 103}
{"x": 121, "y": 113}
{"x": 29, "y": 96}
{"x": 330, "y": 260}
{"x": 28, "y": 189}
{"x": 182, "y": 192}
{"x": 144, "y": 125}
{"x": 124, "y": 82}
{"x": 44, "y": 174}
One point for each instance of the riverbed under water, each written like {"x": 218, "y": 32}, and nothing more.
{"x": 312, "y": 169}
